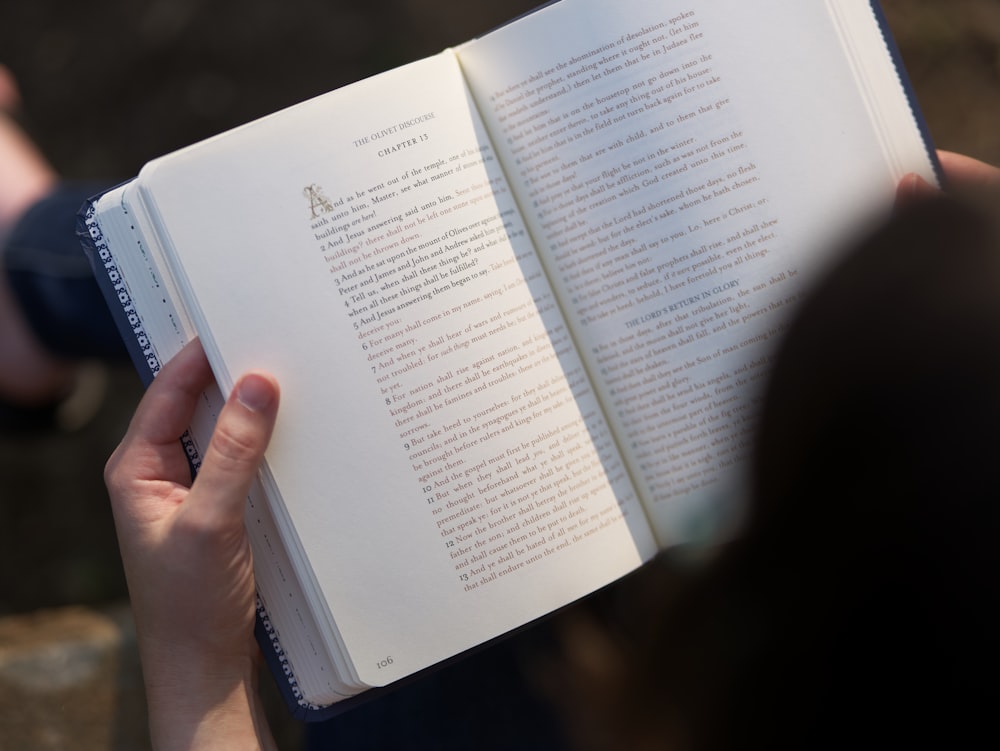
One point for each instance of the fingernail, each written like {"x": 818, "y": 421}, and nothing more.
{"x": 911, "y": 189}
{"x": 255, "y": 392}
{"x": 921, "y": 187}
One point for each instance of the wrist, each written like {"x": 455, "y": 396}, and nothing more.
{"x": 204, "y": 702}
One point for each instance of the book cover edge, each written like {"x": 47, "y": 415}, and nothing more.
{"x": 908, "y": 89}
{"x": 118, "y": 300}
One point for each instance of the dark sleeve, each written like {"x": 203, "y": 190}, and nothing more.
{"x": 52, "y": 279}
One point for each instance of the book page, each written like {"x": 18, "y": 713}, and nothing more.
{"x": 440, "y": 456}
{"x": 685, "y": 169}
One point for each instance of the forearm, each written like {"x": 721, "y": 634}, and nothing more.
{"x": 206, "y": 705}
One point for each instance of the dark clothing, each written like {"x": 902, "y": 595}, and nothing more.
{"x": 52, "y": 278}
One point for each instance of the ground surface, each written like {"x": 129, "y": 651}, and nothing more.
{"x": 110, "y": 84}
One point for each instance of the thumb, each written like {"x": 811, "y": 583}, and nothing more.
{"x": 237, "y": 447}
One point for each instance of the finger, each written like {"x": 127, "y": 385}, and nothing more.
{"x": 913, "y": 188}
{"x": 236, "y": 449}
{"x": 966, "y": 172}
{"x": 151, "y": 447}
{"x": 166, "y": 409}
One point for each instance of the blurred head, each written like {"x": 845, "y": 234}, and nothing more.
{"x": 859, "y": 604}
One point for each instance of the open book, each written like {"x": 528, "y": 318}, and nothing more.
{"x": 521, "y": 298}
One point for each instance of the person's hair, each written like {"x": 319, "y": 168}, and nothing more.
{"x": 858, "y": 605}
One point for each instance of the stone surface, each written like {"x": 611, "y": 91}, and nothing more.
{"x": 70, "y": 681}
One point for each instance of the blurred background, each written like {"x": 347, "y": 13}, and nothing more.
{"x": 110, "y": 84}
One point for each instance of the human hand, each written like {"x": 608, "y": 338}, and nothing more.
{"x": 187, "y": 557}
{"x": 965, "y": 173}
{"x": 962, "y": 174}
{"x": 974, "y": 182}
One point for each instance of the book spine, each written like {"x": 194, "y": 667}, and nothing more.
{"x": 116, "y": 293}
